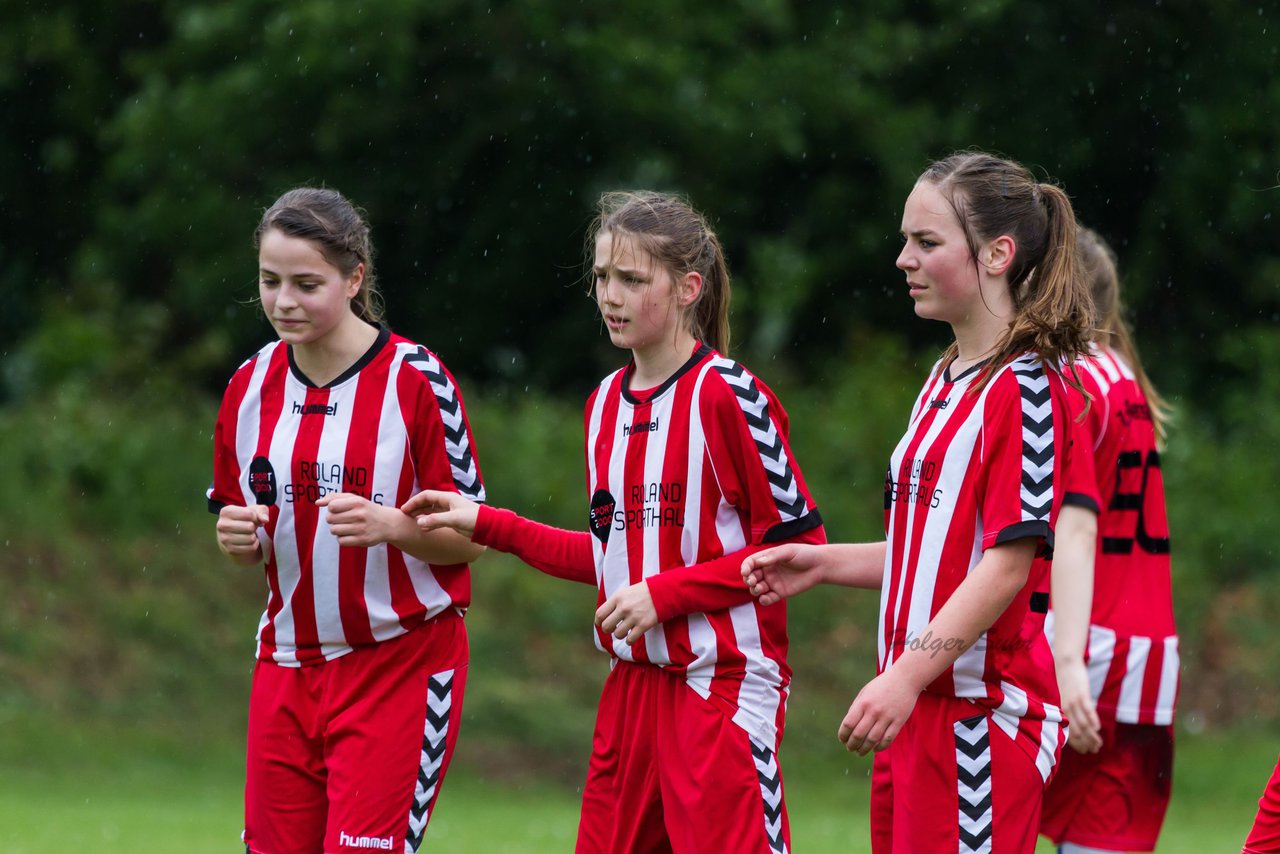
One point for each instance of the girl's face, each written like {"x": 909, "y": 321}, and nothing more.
{"x": 942, "y": 278}
{"x": 304, "y": 296}
{"x": 637, "y": 297}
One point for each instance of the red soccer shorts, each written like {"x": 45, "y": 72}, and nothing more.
{"x": 953, "y": 780}
{"x": 1114, "y": 799}
{"x": 349, "y": 755}
{"x": 1264, "y": 837}
{"x": 670, "y": 772}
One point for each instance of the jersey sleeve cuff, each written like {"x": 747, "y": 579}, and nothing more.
{"x": 1019, "y": 530}
{"x": 1080, "y": 499}
{"x": 493, "y": 527}
{"x": 794, "y": 528}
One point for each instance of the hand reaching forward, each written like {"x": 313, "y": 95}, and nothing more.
{"x": 440, "y": 509}
{"x": 877, "y": 713}
{"x": 238, "y": 531}
{"x": 628, "y": 614}
{"x": 775, "y": 574}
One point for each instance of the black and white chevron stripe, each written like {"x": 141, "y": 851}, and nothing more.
{"x": 755, "y": 408}
{"x": 456, "y": 442}
{"x": 771, "y": 790}
{"x": 973, "y": 782}
{"x": 1037, "y": 439}
{"x": 434, "y": 738}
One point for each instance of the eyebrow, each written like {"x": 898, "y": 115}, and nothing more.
{"x": 920, "y": 232}
{"x": 303, "y": 275}
{"x": 623, "y": 271}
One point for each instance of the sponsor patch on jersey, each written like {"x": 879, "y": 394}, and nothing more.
{"x": 262, "y": 480}
{"x": 602, "y": 507}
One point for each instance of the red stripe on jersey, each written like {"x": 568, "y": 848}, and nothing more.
{"x": 602, "y": 442}
{"x": 271, "y": 405}
{"x": 897, "y": 515}
{"x": 306, "y": 517}
{"x": 1109, "y": 696}
{"x": 226, "y": 464}
{"x": 633, "y": 502}
{"x": 1151, "y": 684}
{"x": 361, "y": 451}
{"x": 914, "y": 500}
{"x": 672, "y": 545}
{"x": 404, "y": 598}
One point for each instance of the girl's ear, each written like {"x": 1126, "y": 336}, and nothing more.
{"x": 356, "y": 280}
{"x": 998, "y": 254}
{"x": 690, "y": 289}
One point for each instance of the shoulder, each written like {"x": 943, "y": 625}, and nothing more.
{"x": 728, "y": 382}
{"x": 730, "y": 390}
{"x": 258, "y": 362}
{"x": 610, "y": 386}
{"x": 1024, "y": 375}
{"x": 1023, "y": 387}
{"x": 419, "y": 364}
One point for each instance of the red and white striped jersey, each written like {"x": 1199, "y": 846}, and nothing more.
{"x": 391, "y": 425}
{"x": 699, "y": 469}
{"x": 1132, "y": 650}
{"x": 976, "y": 469}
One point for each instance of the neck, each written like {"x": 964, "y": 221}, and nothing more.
{"x": 326, "y": 359}
{"x": 657, "y": 362}
{"x": 978, "y": 332}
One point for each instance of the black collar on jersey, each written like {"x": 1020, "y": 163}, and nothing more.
{"x": 965, "y": 374}
{"x": 384, "y": 335}
{"x": 699, "y": 353}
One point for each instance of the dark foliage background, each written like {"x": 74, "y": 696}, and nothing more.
{"x": 141, "y": 139}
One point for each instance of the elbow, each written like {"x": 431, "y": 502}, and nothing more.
{"x": 1077, "y": 525}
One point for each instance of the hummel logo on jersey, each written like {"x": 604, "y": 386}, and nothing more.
{"x": 383, "y": 843}
{"x": 315, "y": 408}
{"x": 642, "y": 427}
{"x": 939, "y": 403}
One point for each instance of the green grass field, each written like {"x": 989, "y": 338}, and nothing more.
{"x": 73, "y": 789}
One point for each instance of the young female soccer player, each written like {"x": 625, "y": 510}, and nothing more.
{"x": 960, "y": 713}
{"x": 1117, "y": 657}
{"x": 688, "y": 471}
{"x": 362, "y": 656}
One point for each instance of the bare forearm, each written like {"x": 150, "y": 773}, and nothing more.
{"x": 1071, "y": 582}
{"x": 443, "y": 546}
{"x": 854, "y": 564}
{"x": 972, "y": 609}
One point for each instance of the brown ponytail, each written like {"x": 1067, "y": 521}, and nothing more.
{"x": 680, "y": 240}
{"x": 1100, "y": 270}
{"x": 991, "y": 196}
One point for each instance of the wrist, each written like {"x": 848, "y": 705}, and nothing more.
{"x": 911, "y": 672}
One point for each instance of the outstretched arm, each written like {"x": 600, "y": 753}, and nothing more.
{"x": 555, "y": 551}
{"x": 783, "y": 571}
